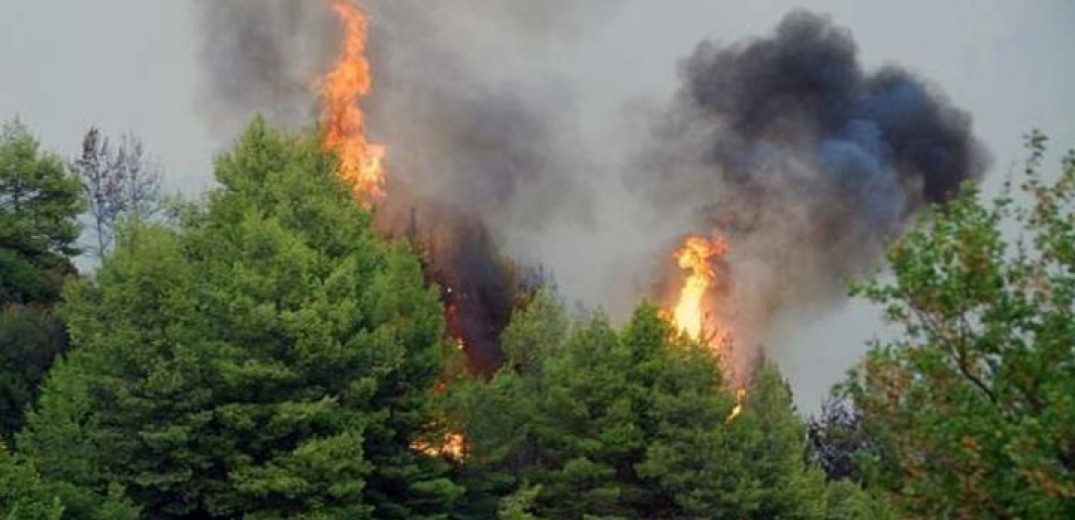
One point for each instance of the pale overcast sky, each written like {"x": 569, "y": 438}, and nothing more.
{"x": 131, "y": 65}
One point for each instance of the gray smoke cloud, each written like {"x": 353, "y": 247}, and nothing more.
{"x": 806, "y": 162}
{"x": 261, "y": 56}
{"x": 480, "y": 148}
{"x": 783, "y": 144}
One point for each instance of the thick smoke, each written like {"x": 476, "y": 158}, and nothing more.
{"x": 262, "y": 56}
{"x": 785, "y": 145}
{"x": 804, "y": 160}
{"x": 478, "y": 150}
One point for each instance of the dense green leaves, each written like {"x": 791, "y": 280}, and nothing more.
{"x": 39, "y": 205}
{"x": 22, "y": 495}
{"x": 264, "y": 355}
{"x": 974, "y": 408}
{"x": 590, "y": 422}
{"x": 268, "y": 358}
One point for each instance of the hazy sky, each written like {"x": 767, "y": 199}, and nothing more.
{"x": 131, "y": 65}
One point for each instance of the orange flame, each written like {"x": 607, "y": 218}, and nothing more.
{"x": 452, "y": 446}
{"x": 696, "y": 256}
{"x": 740, "y": 396}
{"x": 344, "y": 122}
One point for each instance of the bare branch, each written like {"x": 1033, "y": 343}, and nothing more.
{"x": 118, "y": 183}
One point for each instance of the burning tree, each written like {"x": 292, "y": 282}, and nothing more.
{"x": 344, "y": 123}
{"x": 268, "y": 355}
{"x": 632, "y": 423}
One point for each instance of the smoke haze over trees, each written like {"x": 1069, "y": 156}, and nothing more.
{"x": 264, "y": 352}
{"x": 784, "y": 142}
{"x": 495, "y": 338}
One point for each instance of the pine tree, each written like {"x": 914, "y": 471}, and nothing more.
{"x": 267, "y": 357}
{"x": 588, "y": 422}
{"x": 39, "y": 206}
{"x": 22, "y": 496}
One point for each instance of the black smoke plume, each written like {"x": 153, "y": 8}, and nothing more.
{"x": 804, "y": 87}
{"x": 261, "y": 56}
{"x": 466, "y": 144}
{"x": 805, "y": 161}
{"x": 785, "y": 145}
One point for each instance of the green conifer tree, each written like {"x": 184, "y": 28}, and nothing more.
{"x": 588, "y": 422}
{"x": 39, "y": 206}
{"x": 266, "y": 357}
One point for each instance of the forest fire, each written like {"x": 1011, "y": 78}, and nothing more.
{"x": 360, "y": 162}
{"x": 344, "y": 122}
{"x": 737, "y": 410}
{"x": 696, "y": 256}
{"x": 691, "y": 315}
{"x": 469, "y": 259}
{"x": 453, "y": 446}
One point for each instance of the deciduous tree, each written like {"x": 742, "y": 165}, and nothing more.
{"x": 118, "y": 182}
{"x": 974, "y": 406}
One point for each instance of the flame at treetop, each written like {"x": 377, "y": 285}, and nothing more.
{"x": 344, "y": 122}
{"x": 696, "y": 256}
{"x": 740, "y": 396}
{"x": 344, "y": 126}
{"x": 453, "y": 446}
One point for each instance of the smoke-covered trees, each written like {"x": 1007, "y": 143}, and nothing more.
{"x": 266, "y": 357}
{"x": 973, "y": 409}
{"x": 39, "y": 206}
{"x": 118, "y": 182}
{"x": 263, "y": 353}
{"x": 589, "y": 422}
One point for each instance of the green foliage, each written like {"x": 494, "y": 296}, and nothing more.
{"x": 39, "y": 205}
{"x": 588, "y": 422}
{"x": 22, "y": 495}
{"x": 517, "y": 505}
{"x": 845, "y": 500}
{"x": 974, "y": 407}
{"x": 267, "y": 358}
{"x": 30, "y": 338}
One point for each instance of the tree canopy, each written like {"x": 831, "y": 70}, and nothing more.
{"x": 266, "y": 356}
{"x": 263, "y": 353}
{"x": 589, "y": 422}
{"x": 971, "y": 411}
{"x": 39, "y": 206}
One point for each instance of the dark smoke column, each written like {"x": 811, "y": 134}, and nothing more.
{"x": 805, "y": 161}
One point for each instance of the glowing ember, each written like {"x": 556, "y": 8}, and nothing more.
{"x": 344, "y": 122}
{"x": 740, "y": 395}
{"x": 696, "y": 256}
{"x": 452, "y": 446}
